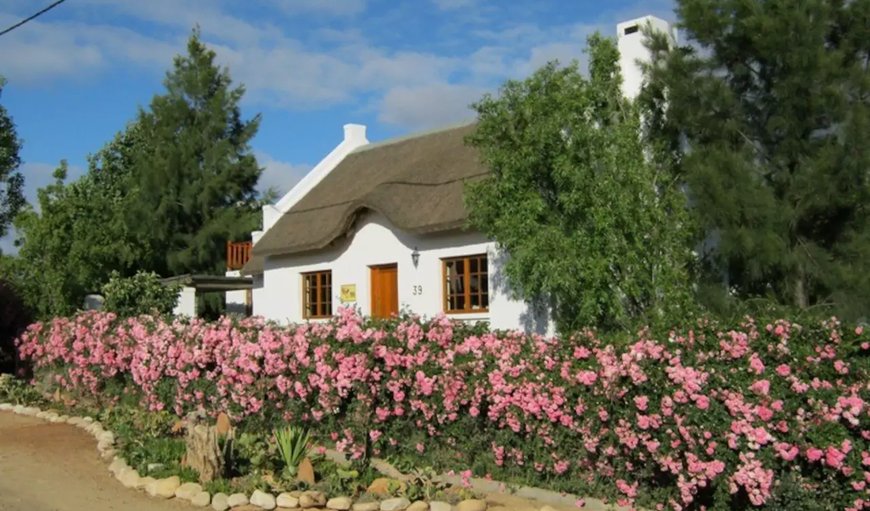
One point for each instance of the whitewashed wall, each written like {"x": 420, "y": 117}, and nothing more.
{"x": 374, "y": 241}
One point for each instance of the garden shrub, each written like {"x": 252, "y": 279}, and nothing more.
{"x": 756, "y": 414}
{"x": 14, "y": 318}
{"x": 143, "y": 293}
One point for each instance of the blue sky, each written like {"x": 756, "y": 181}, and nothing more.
{"x": 77, "y": 74}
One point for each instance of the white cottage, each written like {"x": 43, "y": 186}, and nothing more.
{"x": 382, "y": 227}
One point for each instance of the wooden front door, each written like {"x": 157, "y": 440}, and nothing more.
{"x": 385, "y": 291}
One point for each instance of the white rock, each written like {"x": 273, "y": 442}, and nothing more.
{"x": 187, "y": 491}
{"x": 471, "y": 505}
{"x": 437, "y": 505}
{"x": 237, "y": 499}
{"x": 106, "y": 436}
{"x": 163, "y": 488}
{"x": 339, "y": 503}
{"x": 219, "y": 502}
{"x": 18, "y": 409}
{"x": 263, "y": 499}
{"x": 6, "y": 406}
{"x": 418, "y": 505}
{"x": 128, "y": 477}
{"x": 144, "y": 482}
{"x": 396, "y": 504}
{"x": 117, "y": 464}
{"x": 201, "y": 499}
{"x": 108, "y": 454}
{"x": 366, "y": 506}
{"x": 548, "y": 508}
{"x": 287, "y": 500}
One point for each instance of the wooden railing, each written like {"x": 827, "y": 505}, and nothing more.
{"x": 238, "y": 253}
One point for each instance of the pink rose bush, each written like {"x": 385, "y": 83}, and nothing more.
{"x": 706, "y": 418}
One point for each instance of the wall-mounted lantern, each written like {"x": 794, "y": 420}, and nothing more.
{"x": 415, "y": 257}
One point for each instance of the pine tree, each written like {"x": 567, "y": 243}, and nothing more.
{"x": 11, "y": 181}
{"x": 194, "y": 182}
{"x": 590, "y": 224}
{"x": 769, "y": 103}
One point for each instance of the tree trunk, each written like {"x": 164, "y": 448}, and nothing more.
{"x": 203, "y": 454}
{"x": 800, "y": 291}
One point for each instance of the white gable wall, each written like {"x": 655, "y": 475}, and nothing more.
{"x": 375, "y": 241}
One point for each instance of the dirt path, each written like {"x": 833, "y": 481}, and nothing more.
{"x": 55, "y": 467}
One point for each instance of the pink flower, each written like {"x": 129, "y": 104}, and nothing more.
{"x": 761, "y": 387}
{"x": 465, "y": 475}
{"x": 834, "y": 457}
{"x": 756, "y": 364}
{"x": 420, "y": 447}
{"x": 641, "y": 402}
{"x": 814, "y": 454}
{"x": 702, "y": 402}
{"x": 783, "y": 370}
{"x": 587, "y": 377}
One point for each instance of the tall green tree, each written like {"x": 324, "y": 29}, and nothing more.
{"x": 163, "y": 196}
{"x": 769, "y": 104}
{"x": 78, "y": 236}
{"x": 591, "y": 223}
{"x": 194, "y": 184}
{"x": 11, "y": 181}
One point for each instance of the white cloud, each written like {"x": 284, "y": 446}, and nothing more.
{"x": 331, "y": 7}
{"x": 47, "y": 51}
{"x": 330, "y": 67}
{"x": 278, "y": 175}
{"x": 428, "y": 106}
{"x": 449, "y": 5}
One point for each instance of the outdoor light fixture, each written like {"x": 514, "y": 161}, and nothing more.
{"x": 415, "y": 257}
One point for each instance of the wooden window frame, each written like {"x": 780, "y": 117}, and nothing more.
{"x": 466, "y": 292}
{"x": 321, "y": 303}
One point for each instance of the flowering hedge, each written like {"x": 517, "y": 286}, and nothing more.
{"x": 717, "y": 418}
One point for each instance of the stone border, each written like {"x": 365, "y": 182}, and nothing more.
{"x": 193, "y": 493}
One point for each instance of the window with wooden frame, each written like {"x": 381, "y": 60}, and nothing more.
{"x": 317, "y": 294}
{"x": 466, "y": 284}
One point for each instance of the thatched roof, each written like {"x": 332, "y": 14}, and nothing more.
{"x": 415, "y": 182}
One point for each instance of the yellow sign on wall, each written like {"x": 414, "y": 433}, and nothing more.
{"x": 348, "y": 293}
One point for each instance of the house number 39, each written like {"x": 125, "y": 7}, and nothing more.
{"x": 416, "y": 290}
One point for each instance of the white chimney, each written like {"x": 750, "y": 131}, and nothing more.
{"x": 355, "y": 134}
{"x": 630, "y": 41}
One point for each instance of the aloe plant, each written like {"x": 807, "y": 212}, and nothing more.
{"x": 293, "y": 445}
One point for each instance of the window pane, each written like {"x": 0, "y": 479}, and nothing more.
{"x": 460, "y": 302}
{"x": 474, "y": 265}
{"x": 483, "y": 264}
{"x": 474, "y": 283}
{"x": 484, "y": 301}
{"x": 458, "y": 285}
{"x": 484, "y": 283}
